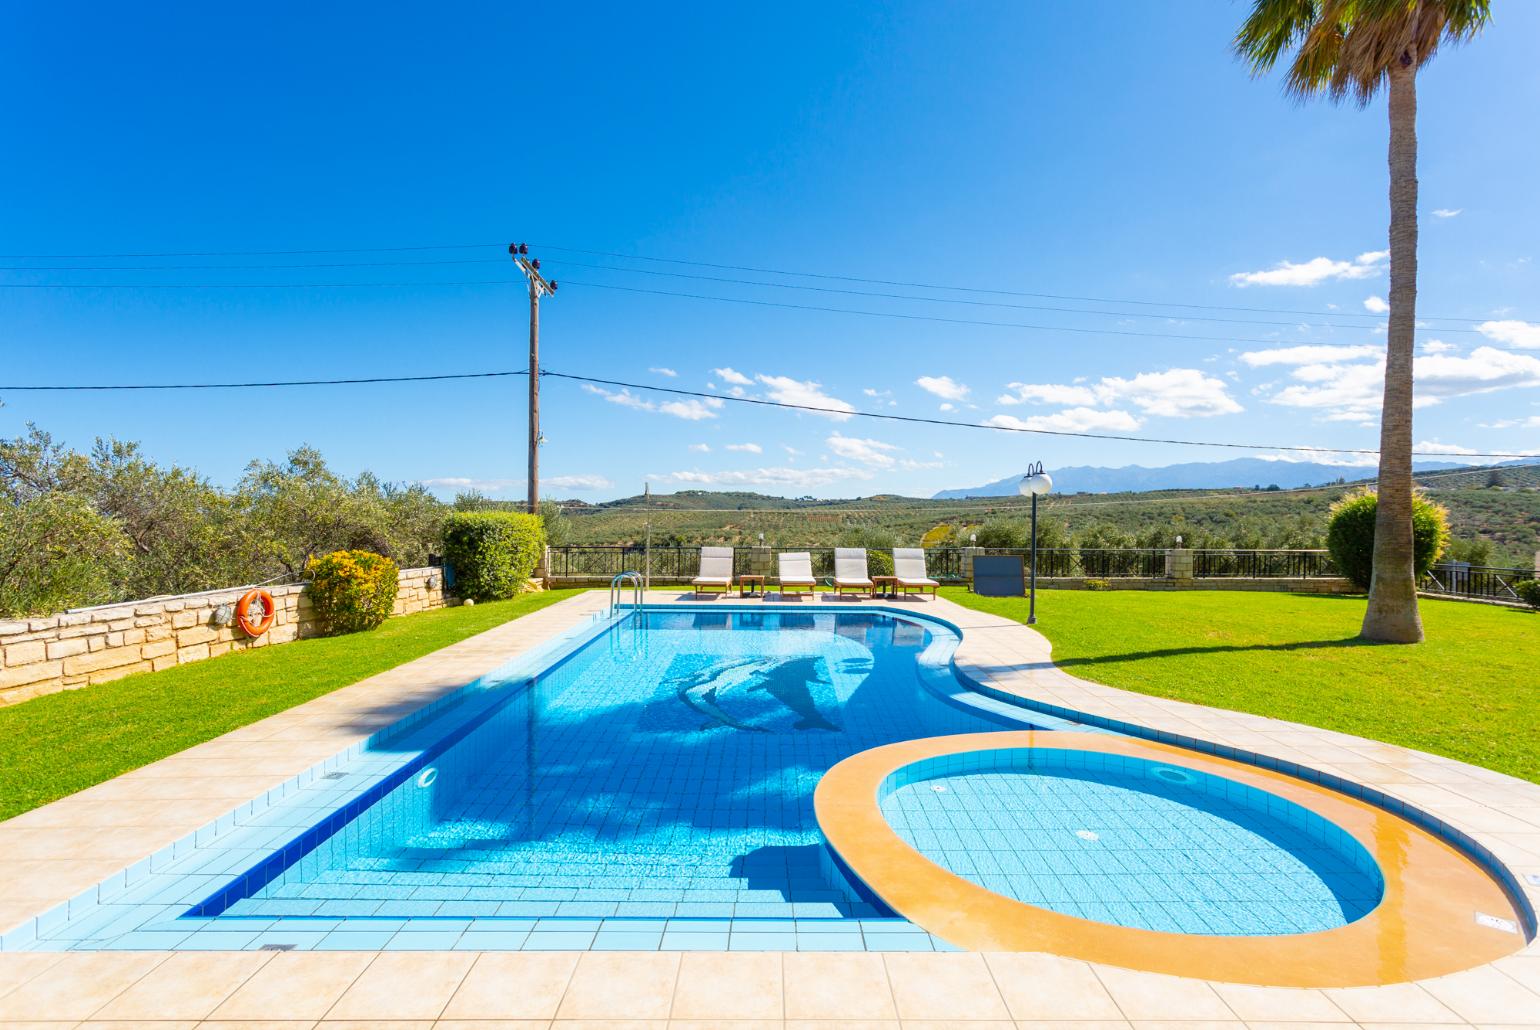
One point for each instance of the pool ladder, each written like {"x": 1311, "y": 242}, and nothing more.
{"x": 618, "y": 584}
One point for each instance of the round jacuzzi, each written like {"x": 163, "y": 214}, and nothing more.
{"x": 1151, "y": 856}
{"x": 1131, "y": 841}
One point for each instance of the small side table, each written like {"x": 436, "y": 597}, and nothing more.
{"x": 744, "y": 582}
{"x": 885, "y": 586}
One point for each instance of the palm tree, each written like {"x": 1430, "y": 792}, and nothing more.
{"x": 1350, "y": 49}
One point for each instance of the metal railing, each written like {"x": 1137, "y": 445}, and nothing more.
{"x": 1218, "y": 563}
{"x": 1458, "y": 579}
{"x": 949, "y": 564}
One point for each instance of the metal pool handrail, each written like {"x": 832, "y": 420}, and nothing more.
{"x": 635, "y": 579}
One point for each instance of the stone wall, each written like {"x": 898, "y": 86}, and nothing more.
{"x": 92, "y": 645}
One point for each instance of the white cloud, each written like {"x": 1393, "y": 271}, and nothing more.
{"x": 701, "y": 448}
{"x": 947, "y": 406}
{"x": 1435, "y": 447}
{"x": 1047, "y": 393}
{"x": 730, "y": 376}
{"x": 772, "y": 477}
{"x": 1376, "y": 305}
{"x": 1070, "y": 420}
{"x": 1354, "y": 391}
{"x": 470, "y": 483}
{"x": 1438, "y": 347}
{"x": 1315, "y": 271}
{"x": 1512, "y": 332}
{"x": 866, "y": 451}
{"x": 1446, "y": 212}
{"x": 1532, "y": 422}
{"x": 664, "y": 372}
{"x": 578, "y": 482}
{"x": 690, "y": 410}
{"x": 945, "y": 387}
{"x": 1175, "y": 393}
{"x": 746, "y": 448}
{"x": 1309, "y": 354}
{"x": 786, "y": 390}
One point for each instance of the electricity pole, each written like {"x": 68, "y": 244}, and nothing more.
{"x": 539, "y": 286}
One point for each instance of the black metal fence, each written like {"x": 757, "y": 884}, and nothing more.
{"x": 1457, "y": 579}
{"x": 1259, "y": 564}
{"x": 949, "y": 564}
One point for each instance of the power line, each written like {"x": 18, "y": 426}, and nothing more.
{"x": 286, "y": 382}
{"x": 724, "y": 267}
{"x": 996, "y": 292}
{"x": 921, "y": 420}
{"x": 955, "y": 321}
{"x": 726, "y": 398}
{"x": 966, "y": 301}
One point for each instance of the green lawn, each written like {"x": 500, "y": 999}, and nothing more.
{"x": 1471, "y": 691}
{"x": 55, "y": 745}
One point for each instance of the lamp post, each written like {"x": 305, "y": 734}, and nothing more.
{"x": 1034, "y": 484}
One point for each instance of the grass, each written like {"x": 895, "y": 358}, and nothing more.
{"x": 1467, "y": 692}
{"x": 60, "y": 743}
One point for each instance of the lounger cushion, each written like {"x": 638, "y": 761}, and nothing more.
{"x": 712, "y": 581}
{"x": 905, "y": 582}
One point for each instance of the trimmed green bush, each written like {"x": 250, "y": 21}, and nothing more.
{"x": 492, "y": 553}
{"x": 1350, "y": 535}
{"x": 1529, "y": 592}
{"x": 352, "y": 590}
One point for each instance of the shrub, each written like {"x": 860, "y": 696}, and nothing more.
{"x": 492, "y": 553}
{"x": 1098, "y": 584}
{"x": 1350, "y": 535}
{"x": 352, "y": 590}
{"x": 1529, "y": 592}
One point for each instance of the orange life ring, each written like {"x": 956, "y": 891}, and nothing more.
{"x": 255, "y": 625}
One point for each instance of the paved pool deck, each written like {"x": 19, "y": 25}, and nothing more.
{"x": 53, "y": 853}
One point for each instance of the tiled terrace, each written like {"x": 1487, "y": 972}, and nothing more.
{"x": 128, "y": 819}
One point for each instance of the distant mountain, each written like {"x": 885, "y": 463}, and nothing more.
{"x": 1197, "y": 475}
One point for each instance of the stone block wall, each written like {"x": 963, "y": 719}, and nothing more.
{"x": 93, "y": 645}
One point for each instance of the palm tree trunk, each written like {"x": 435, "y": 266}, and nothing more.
{"x": 1392, "y": 614}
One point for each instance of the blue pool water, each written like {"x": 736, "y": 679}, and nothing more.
{"x": 665, "y": 770}
{"x": 1133, "y": 842}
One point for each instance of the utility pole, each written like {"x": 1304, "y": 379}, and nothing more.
{"x": 539, "y": 286}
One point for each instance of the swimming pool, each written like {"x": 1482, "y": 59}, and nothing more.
{"x": 1134, "y": 842}
{"x": 664, "y": 770}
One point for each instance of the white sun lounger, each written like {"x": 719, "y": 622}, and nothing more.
{"x": 716, "y": 570}
{"x": 850, "y": 570}
{"x": 796, "y": 573}
{"x": 909, "y": 571}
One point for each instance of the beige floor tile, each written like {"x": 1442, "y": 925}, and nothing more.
{"x": 1188, "y": 1024}
{"x": 1524, "y": 968}
{"x": 1040, "y": 987}
{"x": 610, "y": 1024}
{"x": 729, "y": 985}
{"x": 492, "y": 1024}
{"x": 621, "y": 985}
{"x": 726, "y": 1024}
{"x": 1155, "y": 996}
{"x": 16, "y": 968}
{"x": 842, "y": 1024}
{"x": 1395, "y": 1003}
{"x": 950, "y": 985}
{"x": 257, "y": 1024}
{"x": 375, "y": 1024}
{"x": 133, "y": 1024}
{"x": 513, "y": 985}
{"x": 404, "y": 985}
{"x": 188, "y": 985}
{"x": 78, "y": 985}
{"x": 1072, "y": 1024}
{"x": 958, "y": 1024}
{"x": 1283, "y": 1004}
{"x": 1485, "y": 996}
{"x": 294, "y": 985}
{"x": 839, "y": 986}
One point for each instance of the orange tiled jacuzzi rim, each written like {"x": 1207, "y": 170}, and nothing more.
{"x": 1425, "y": 924}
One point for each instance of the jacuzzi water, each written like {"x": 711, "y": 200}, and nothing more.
{"x": 664, "y": 770}
{"x": 1133, "y": 842}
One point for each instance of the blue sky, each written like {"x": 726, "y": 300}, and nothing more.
{"x": 1110, "y": 151}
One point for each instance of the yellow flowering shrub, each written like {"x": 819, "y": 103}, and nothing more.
{"x": 352, "y": 590}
